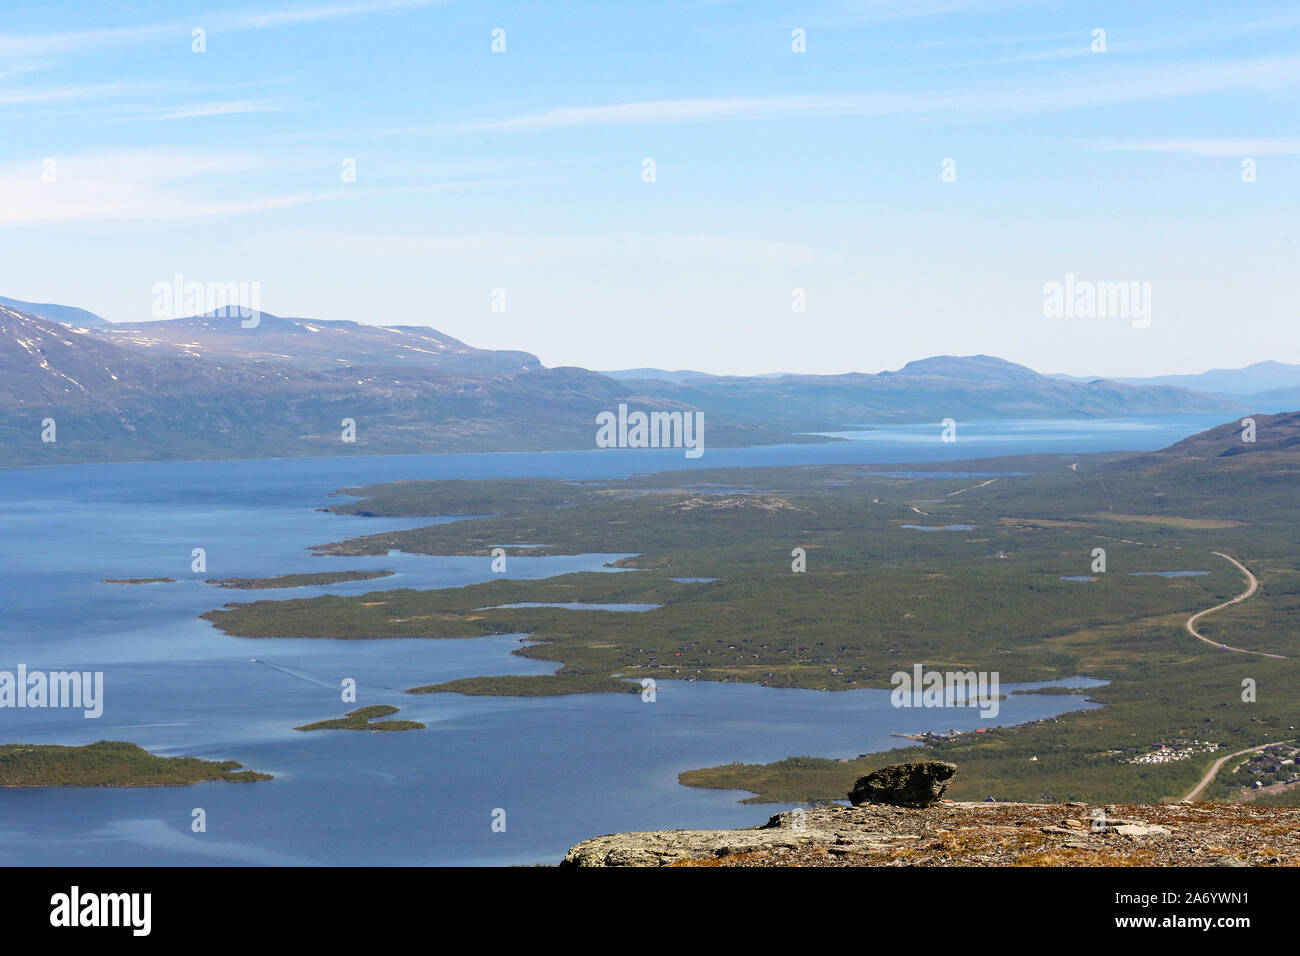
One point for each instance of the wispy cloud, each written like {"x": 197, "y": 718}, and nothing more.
{"x": 134, "y": 185}
{"x": 850, "y": 11}
{"x": 76, "y": 41}
{"x": 322, "y": 11}
{"x": 467, "y": 249}
{"x": 763, "y": 251}
{"x": 60, "y": 96}
{"x": 1199, "y": 33}
{"x": 63, "y": 93}
{"x": 28, "y": 66}
{"x": 672, "y": 111}
{"x": 1134, "y": 84}
{"x": 228, "y": 108}
{"x": 1213, "y": 147}
{"x": 181, "y": 183}
{"x": 478, "y": 250}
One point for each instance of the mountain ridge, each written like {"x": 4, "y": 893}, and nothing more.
{"x": 205, "y": 386}
{"x": 67, "y": 314}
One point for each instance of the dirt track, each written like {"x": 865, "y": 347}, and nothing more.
{"x": 1253, "y": 587}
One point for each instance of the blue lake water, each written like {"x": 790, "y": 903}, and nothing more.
{"x": 563, "y": 769}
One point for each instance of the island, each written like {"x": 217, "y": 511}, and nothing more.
{"x": 297, "y": 580}
{"x": 531, "y": 685}
{"x": 365, "y": 718}
{"x": 110, "y": 763}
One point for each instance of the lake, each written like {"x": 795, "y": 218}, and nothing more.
{"x": 563, "y": 769}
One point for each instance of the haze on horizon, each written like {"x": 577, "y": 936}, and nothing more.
{"x": 775, "y": 170}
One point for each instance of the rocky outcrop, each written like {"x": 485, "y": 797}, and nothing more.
{"x": 973, "y": 834}
{"x": 904, "y": 784}
{"x": 784, "y": 831}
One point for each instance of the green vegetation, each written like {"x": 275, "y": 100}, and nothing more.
{"x": 532, "y": 685}
{"x": 1083, "y": 755}
{"x": 297, "y": 580}
{"x": 365, "y": 718}
{"x": 1287, "y": 798}
{"x": 459, "y": 496}
{"x": 1057, "y": 691}
{"x": 878, "y": 597}
{"x": 138, "y": 581}
{"x": 110, "y": 763}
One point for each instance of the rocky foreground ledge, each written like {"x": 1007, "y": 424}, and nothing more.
{"x": 974, "y": 834}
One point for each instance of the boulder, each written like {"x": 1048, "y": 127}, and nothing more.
{"x": 904, "y": 784}
{"x": 1142, "y": 830}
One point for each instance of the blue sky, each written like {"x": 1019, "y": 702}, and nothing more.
{"x": 775, "y": 170}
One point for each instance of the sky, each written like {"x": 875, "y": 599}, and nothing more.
{"x": 914, "y": 174}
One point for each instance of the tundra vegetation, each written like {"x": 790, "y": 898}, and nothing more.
{"x": 110, "y": 763}
{"x": 298, "y": 580}
{"x": 365, "y": 718}
{"x": 878, "y": 597}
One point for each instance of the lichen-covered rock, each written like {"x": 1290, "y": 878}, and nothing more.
{"x": 663, "y": 847}
{"x": 972, "y": 834}
{"x": 904, "y": 784}
{"x": 849, "y": 831}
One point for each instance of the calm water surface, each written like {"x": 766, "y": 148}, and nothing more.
{"x": 563, "y": 769}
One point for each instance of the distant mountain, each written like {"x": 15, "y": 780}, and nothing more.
{"x": 206, "y": 387}
{"x": 970, "y": 368}
{"x": 1237, "y": 382}
{"x": 67, "y": 314}
{"x": 1274, "y": 400}
{"x": 194, "y": 389}
{"x": 961, "y": 387}
{"x": 658, "y": 374}
{"x": 315, "y": 343}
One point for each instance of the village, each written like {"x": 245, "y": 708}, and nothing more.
{"x": 1176, "y": 750}
{"x": 1274, "y": 768}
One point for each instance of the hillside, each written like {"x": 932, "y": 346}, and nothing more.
{"x": 123, "y": 395}
{"x": 206, "y": 387}
{"x": 67, "y": 314}
{"x": 1214, "y": 473}
{"x": 1278, "y": 433}
{"x": 317, "y": 345}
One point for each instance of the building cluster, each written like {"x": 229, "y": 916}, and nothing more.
{"x": 1272, "y": 765}
{"x": 1176, "y": 750}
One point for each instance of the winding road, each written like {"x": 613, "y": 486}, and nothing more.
{"x": 1191, "y": 629}
{"x": 1253, "y": 587}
